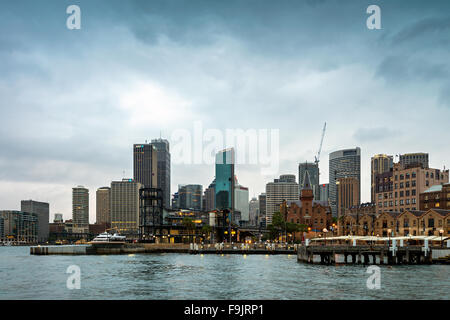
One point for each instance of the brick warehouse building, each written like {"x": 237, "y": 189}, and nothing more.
{"x": 437, "y": 196}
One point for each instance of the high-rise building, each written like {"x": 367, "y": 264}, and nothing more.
{"x": 343, "y": 163}
{"x": 58, "y": 218}
{"x": 190, "y": 197}
{"x": 420, "y": 158}
{"x": 163, "y": 156}
{"x": 347, "y": 194}
{"x": 324, "y": 192}
{"x": 42, "y": 211}
{"x": 80, "y": 209}
{"x": 241, "y": 201}
{"x": 210, "y": 192}
{"x": 125, "y": 206}
{"x": 224, "y": 188}
{"x": 313, "y": 170}
{"x": 400, "y": 189}
{"x": 379, "y": 163}
{"x": 284, "y": 188}
{"x": 103, "y": 208}
{"x": 175, "y": 201}
{"x": 253, "y": 208}
{"x": 19, "y": 226}
{"x": 145, "y": 165}
{"x": 262, "y": 210}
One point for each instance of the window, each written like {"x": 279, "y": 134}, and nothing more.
{"x": 401, "y": 202}
{"x": 413, "y": 201}
{"x": 414, "y": 222}
{"x": 431, "y": 175}
{"x": 430, "y": 223}
{"x": 385, "y": 203}
{"x": 407, "y": 184}
{"x": 401, "y": 194}
{"x": 407, "y": 201}
{"x": 396, "y": 186}
{"x": 390, "y": 203}
{"x": 402, "y": 177}
{"x": 407, "y": 193}
{"x": 413, "y": 174}
{"x": 413, "y": 183}
{"x": 379, "y": 196}
{"x": 413, "y": 192}
{"x": 440, "y": 223}
{"x": 396, "y": 177}
{"x": 427, "y": 183}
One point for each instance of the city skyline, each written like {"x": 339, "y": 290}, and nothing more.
{"x": 83, "y": 98}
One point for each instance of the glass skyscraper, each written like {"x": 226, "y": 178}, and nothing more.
{"x": 163, "y": 156}
{"x": 225, "y": 179}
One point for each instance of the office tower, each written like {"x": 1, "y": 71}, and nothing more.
{"x": 163, "y": 164}
{"x": 379, "y": 163}
{"x": 343, "y": 163}
{"x": 313, "y": 170}
{"x": 400, "y": 189}
{"x": 80, "y": 209}
{"x": 262, "y": 210}
{"x": 190, "y": 197}
{"x": 225, "y": 179}
{"x": 210, "y": 192}
{"x": 103, "y": 201}
{"x": 347, "y": 194}
{"x": 420, "y": 158}
{"x": 241, "y": 201}
{"x": 175, "y": 201}
{"x": 19, "y": 226}
{"x": 125, "y": 206}
{"x": 253, "y": 209}
{"x": 145, "y": 165}
{"x": 284, "y": 188}
{"x": 42, "y": 211}
{"x": 324, "y": 192}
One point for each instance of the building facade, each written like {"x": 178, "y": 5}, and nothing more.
{"x": 224, "y": 198}
{"x": 103, "y": 205}
{"x": 283, "y": 189}
{"x": 210, "y": 198}
{"x": 253, "y": 209}
{"x": 343, "y": 164}
{"x": 347, "y": 194}
{"x": 190, "y": 197}
{"x": 125, "y": 206}
{"x": 241, "y": 202}
{"x": 414, "y": 159}
{"x": 80, "y": 208}
{"x": 324, "y": 192}
{"x": 145, "y": 165}
{"x": 437, "y": 196}
{"x": 163, "y": 168}
{"x": 19, "y": 227}
{"x": 379, "y": 164}
{"x": 42, "y": 211}
{"x": 400, "y": 190}
{"x": 313, "y": 171}
{"x": 262, "y": 210}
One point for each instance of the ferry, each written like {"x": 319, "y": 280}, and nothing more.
{"x": 107, "y": 237}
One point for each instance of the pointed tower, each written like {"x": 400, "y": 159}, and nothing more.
{"x": 306, "y": 193}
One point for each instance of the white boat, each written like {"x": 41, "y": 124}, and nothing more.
{"x": 107, "y": 237}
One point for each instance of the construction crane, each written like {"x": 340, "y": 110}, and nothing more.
{"x": 317, "y": 158}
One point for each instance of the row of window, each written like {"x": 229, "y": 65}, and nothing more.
{"x": 406, "y": 193}
{"x": 397, "y": 202}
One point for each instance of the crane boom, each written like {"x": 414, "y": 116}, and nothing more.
{"x": 321, "y": 142}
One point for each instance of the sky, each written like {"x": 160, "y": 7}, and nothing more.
{"x": 73, "y": 102}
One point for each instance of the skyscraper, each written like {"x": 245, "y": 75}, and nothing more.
{"x": 262, "y": 210}
{"x": 225, "y": 179}
{"x": 103, "y": 208}
{"x": 343, "y": 163}
{"x": 190, "y": 196}
{"x": 241, "y": 201}
{"x": 163, "y": 156}
{"x": 253, "y": 209}
{"x": 145, "y": 165}
{"x": 125, "y": 206}
{"x": 324, "y": 192}
{"x": 313, "y": 170}
{"x": 42, "y": 211}
{"x": 380, "y": 163}
{"x": 284, "y": 188}
{"x": 348, "y": 194}
{"x": 80, "y": 208}
{"x": 210, "y": 192}
{"x": 409, "y": 159}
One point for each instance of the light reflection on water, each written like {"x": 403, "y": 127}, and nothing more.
{"x": 183, "y": 276}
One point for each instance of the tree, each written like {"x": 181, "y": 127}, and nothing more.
{"x": 189, "y": 224}
{"x": 206, "y": 229}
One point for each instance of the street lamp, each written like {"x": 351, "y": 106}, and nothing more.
{"x": 441, "y": 232}
{"x": 389, "y": 237}
{"x": 325, "y": 233}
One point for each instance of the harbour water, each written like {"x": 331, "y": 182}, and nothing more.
{"x": 184, "y": 276}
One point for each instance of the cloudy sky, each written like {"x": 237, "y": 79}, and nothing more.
{"x": 72, "y": 102}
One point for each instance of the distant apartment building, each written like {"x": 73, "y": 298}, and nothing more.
{"x": 125, "y": 206}
{"x": 103, "y": 205}
{"x": 42, "y": 211}
{"x": 414, "y": 159}
{"x": 342, "y": 164}
{"x": 324, "y": 192}
{"x": 145, "y": 165}
{"x": 80, "y": 209}
{"x": 262, "y": 210}
{"x": 380, "y": 163}
{"x": 19, "y": 227}
{"x": 241, "y": 201}
{"x": 209, "y": 196}
{"x": 163, "y": 168}
{"x": 347, "y": 194}
{"x": 436, "y": 197}
{"x": 400, "y": 189}
{"x": 253, "y": 209}
{"x": 283, "y": 189}
{"x": 190, "y": 197}
{"x": 313, "y": 171}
